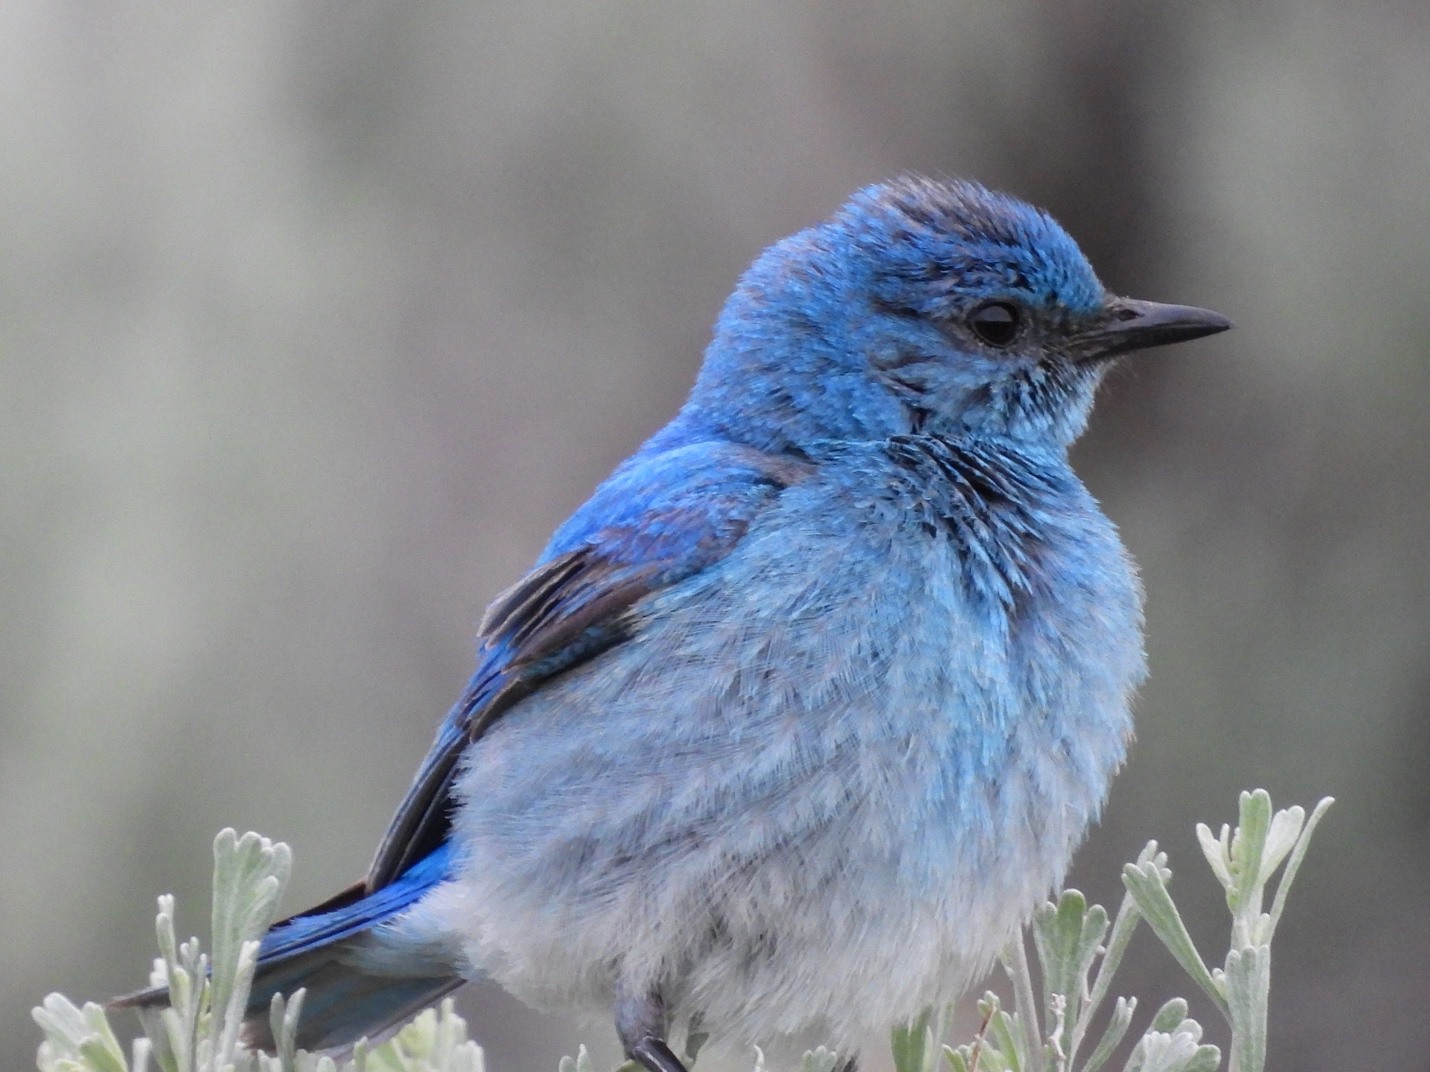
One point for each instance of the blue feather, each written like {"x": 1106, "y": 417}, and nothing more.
{"x": 794, "y": 722}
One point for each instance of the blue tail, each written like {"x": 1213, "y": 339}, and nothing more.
{"x": 349, "y": 963}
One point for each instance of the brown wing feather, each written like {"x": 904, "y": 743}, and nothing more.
{"x": 573, "y": 607}
{"x": 537, "y": 619}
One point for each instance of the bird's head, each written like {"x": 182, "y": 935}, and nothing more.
{"x": 923, "y": 306}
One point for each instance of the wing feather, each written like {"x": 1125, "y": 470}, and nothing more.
{"x": 577, "y": 604}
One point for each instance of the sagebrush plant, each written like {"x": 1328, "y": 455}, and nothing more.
{"x": 1047, "y": 1027}
{"x": 1078, "y": 950}
{"x": 199, "y": 1032}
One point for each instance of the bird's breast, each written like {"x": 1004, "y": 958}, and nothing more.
{"x": 857, "y": 750}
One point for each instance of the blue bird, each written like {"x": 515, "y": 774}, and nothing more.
{"x": 794, "y": 722}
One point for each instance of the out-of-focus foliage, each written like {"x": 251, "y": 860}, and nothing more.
{"x": 201, "y": 1028}
{"x": 316, "y": 318}
{"x": 1078, "y": 952}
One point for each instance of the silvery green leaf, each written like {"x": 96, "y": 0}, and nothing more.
{"x": 1067, "y": 936}
{"x": 1207, "y": 1058}
{"x": 990, "y": 1051}
{"x": 1293, "y": 865}
{"x": 1027, "y": 1054}
{"x": 1280, "y": 840}
{"x": 911, "y": 1043}
{"x": 982, "y": 1056}
{"x": 283, "y": 1022}
{"x": 1248, "y": 846}
{"x": 78, "y": 1037}
{"x": 63, "y": 1022}
{"x": 1007, "y": 1034}
{"x": 362, "y": 1050}
{"x": 1158, "y": 1051}
{"x": 386, "y": 1057}
{"x": 583, "y": 1060}
{"x": 1117, "y": 1026}
{"x": 453, "y": 1051}
{"x": 818, "y": 1060}
{"x": 1150, "y": 854}
{"x": 97, "y": 1047}
{"x": 177, "y": 979}
{"x": 1217, "y": 850}
{"x": 1148, "y": 887}
{"x": 249, "y": 875}
{"x": 419, "y": 1035}
{"x": 161, "y": 1028}
{"x": 1170, "y": 1016}
{"x": 1123, "y": 927}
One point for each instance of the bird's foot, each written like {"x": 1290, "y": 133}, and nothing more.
{"x": 640, "y": 1025}
{"x": 655, "y": 1055}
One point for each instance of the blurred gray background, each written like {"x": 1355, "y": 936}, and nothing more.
{"x": 316, "y": 317}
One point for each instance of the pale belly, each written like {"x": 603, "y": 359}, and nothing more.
{"x": 819, "y": 791}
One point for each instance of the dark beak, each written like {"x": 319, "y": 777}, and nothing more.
{"x": 1129, "y": 324}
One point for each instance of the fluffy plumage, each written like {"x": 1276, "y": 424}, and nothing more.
{"x": 795, "y": 720}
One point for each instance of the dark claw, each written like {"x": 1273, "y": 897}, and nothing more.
{"x": 640, "y": 1025}
{"x": 655, "y": 1055}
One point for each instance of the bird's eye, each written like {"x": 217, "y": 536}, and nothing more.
{"x": 995, "y": 322}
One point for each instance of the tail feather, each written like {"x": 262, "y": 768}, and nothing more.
{"x": 353, "y": 911}
{"x": 335, "y": 952}
{"x": 342, "y": 1003}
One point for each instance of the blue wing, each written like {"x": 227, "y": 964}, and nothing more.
{"x": 659, "y": 519}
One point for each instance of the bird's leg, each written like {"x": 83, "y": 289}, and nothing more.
{"x": 850, "y": 1065}
{"x": 640, "y": 1025}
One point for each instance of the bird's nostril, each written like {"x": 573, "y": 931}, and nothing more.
{"x": 1127, "y": 314}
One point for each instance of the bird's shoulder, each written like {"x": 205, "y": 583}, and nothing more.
{"x": 683, "y": 502}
